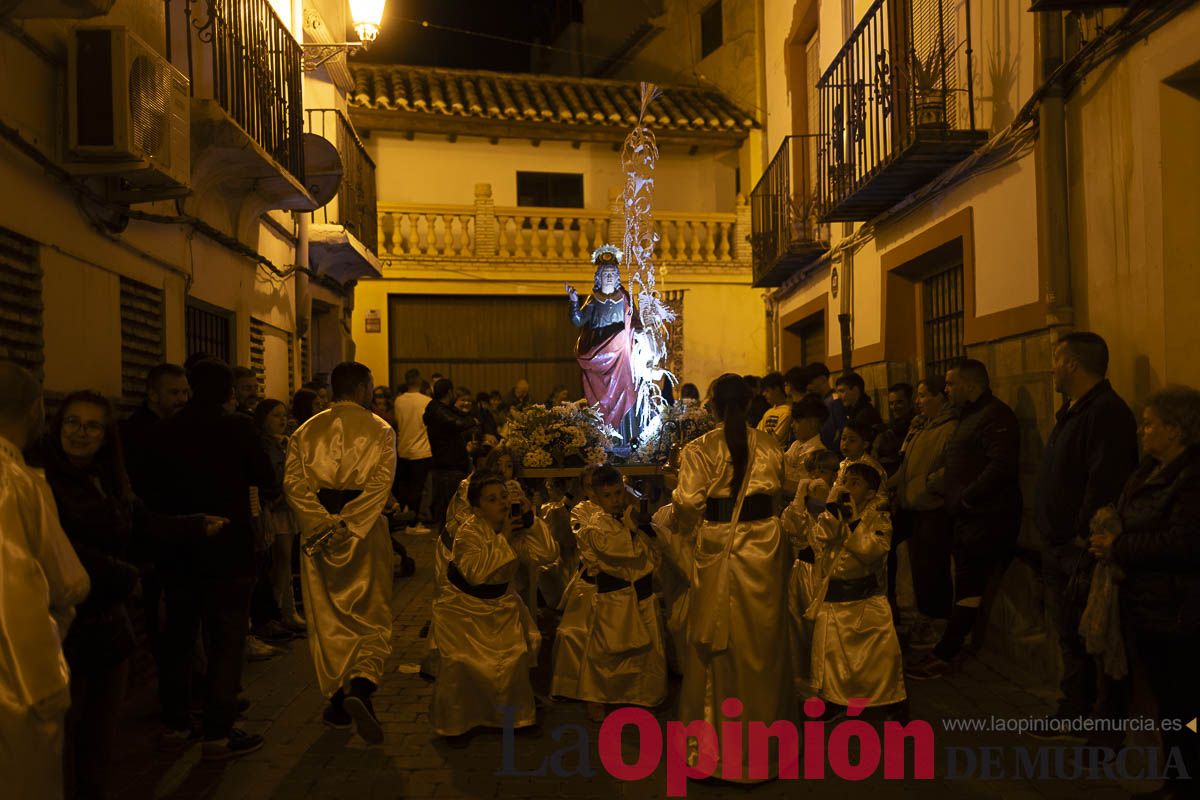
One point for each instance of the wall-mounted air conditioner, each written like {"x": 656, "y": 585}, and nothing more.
{"x": 128, "y": 111}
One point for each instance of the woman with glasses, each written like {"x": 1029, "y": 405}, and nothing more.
{"x": 111, "y": 532}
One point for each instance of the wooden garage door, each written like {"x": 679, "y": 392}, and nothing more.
{"x": 485, "y": 343}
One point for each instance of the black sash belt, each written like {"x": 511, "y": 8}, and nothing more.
{"x": 644, "y": 586}
{"x": 484, "y": 591}
{"x": 807, "y": 555}
{"x": 585, "y": 577}
{"x": 446, "y": 538}
{"x": 845, "y": 591}
{"x": 334, "y": 500}
{"x": 754, "y": 507}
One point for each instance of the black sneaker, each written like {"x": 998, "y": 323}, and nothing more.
{"x": 367, "y": 725}
{"x": 238, "y": 744}
{"x": 337, "y": 718}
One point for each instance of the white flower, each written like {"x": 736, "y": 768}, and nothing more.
{"x": 538, "y": 457}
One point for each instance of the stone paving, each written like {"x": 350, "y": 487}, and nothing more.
{"x": 303, "y": 758}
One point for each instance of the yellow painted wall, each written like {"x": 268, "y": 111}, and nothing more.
{"x": 429, "y": 169}
{"x": 1133, "y": 176}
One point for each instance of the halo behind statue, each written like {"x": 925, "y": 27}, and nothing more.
{"x": 607, "y": 254}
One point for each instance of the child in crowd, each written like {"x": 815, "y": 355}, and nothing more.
{"x": 487, "y": 640}
{"x": 815, "y": 475}
{"x": 624, "y": 660}
{"x": 576, "y": 605}
{"x": 808, "y": 416}
{"x": 856, "y": 448}
{"x": 855, "y": 650}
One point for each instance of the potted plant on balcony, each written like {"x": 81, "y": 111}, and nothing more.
{"x": 930, "y": 90}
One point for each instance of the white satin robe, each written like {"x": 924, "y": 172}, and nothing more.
{"x": 624, "y": 660}
{"x": 458, "y": 512}
{"x": 855, "y": 651}
{"x": 348, "y": 586}
{"x": 576, "y": 607}
{"x": 487, "y": 647}
{"x": 736, "y": 633}
{"x": 41, "y": 582}
{"x": 800, "y": 575}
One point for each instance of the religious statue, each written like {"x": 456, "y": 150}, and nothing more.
{"x": 605, "y": 344}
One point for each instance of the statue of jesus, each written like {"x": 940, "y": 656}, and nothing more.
{"x": 605, "y": 343}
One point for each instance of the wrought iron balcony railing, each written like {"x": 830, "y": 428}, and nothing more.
{"x": 355, "y": 204}
{"x": 1076, "y": 5}
{"x": 897, "y": 106}
{"x": 785, "y": 232}
{"x": 240, "y": 54}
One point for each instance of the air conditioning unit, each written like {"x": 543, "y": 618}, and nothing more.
{"x": 128, "y": 111}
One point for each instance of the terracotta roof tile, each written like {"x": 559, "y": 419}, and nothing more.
{"x": 548, "y": 99}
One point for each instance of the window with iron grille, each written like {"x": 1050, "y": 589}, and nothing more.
{"x": 305, "y": 359}
{"x": 291, "y": 349}
{"x": 258, "y": 350}
{"x": 942, "y": 316}
{"x": 711, "y": 34}
{"x": 209, "y": 331}
{"x": 20, "y": 302}
{"x": 141, "y": 336}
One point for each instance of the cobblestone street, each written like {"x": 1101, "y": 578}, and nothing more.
{"x": 303, "y": 758}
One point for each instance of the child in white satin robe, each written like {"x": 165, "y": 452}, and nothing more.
{"x": 855, "y": 650}
{"x": 486, "y": 638}
{"x": 624, "y": 659}
{"x": 576, "y": 604}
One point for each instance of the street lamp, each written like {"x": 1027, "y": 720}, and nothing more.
{"x": 366, "y": 17}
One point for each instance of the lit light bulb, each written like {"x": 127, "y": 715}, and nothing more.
{"x": 367, "y": 15}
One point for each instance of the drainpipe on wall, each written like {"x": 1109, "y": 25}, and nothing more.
{"x": 846, "y": 301}
{"x": 773, "y": 364}
{"x": 300, "y": 285}
{"x": 1054, "y": 246}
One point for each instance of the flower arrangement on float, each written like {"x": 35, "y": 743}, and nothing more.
{"x": 678, "y": 425}
{"x": 565, "y": 435}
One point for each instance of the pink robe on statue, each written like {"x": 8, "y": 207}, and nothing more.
{"x": 604, "y": 353}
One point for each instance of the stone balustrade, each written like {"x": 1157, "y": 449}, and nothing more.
{"x": 482, "y": 231}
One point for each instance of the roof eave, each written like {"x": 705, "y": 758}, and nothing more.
{"x": 374, "y": 119}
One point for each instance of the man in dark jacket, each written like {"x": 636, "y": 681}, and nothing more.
{"x": 167, "y": 391}
{"x": 447, "y": 427}
{"x": 1090, "y": 454}
{"x": 205, "y": 461}
{"x": 983, "y": 498}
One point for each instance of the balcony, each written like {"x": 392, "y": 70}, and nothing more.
{"x": 344, "y": 239}
{"x": 897, "y": 106}
{"x": 786, "y": 234}
{"x": 1076, "y": 5}
{"x": 247, "y": 109}
{"x": 554, "y": 236}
